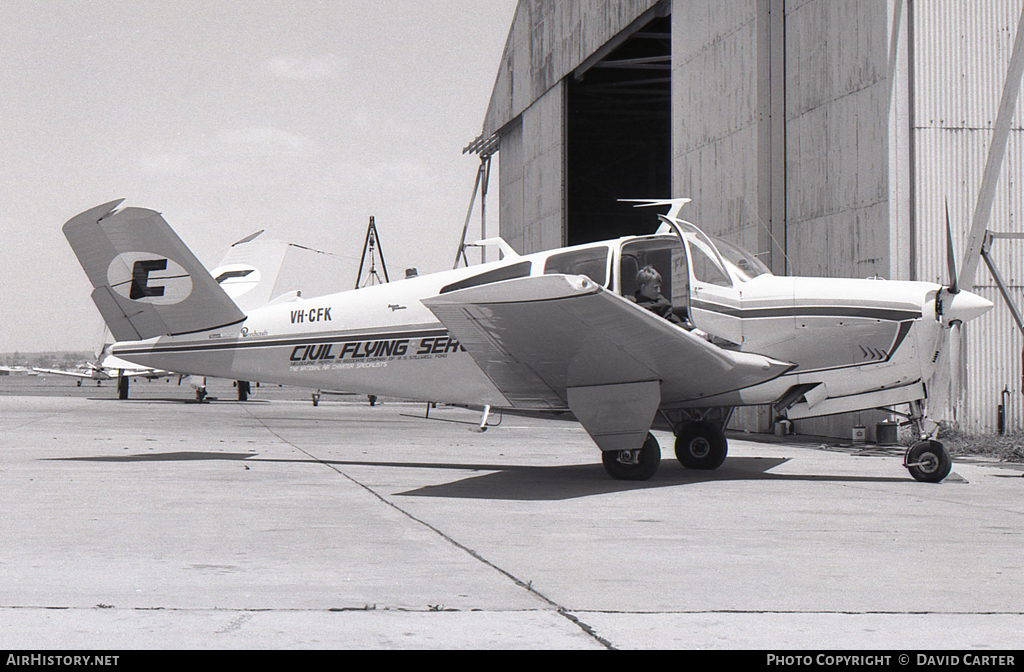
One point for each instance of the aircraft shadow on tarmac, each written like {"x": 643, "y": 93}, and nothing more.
{"x": 570, "y": 482}
{"x": 527, "y": 483}
{"x": 181, "y": 456}
{"x": 180, "y": 400}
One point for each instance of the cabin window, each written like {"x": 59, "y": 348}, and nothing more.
{"x": 744, "y": 264}
{"x": 705, "y": 268}
{"x": 591, "y": 262}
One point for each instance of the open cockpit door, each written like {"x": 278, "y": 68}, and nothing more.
{"x": 714, "y": 301}
{"x": 667, "y": 256}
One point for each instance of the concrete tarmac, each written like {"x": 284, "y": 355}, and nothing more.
{"x": 160, "y": 523}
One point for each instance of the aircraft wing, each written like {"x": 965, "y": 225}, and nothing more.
{"x": 73, "y": 374}
{"x": 144, "y": 373}
{"x": 540, "y": 338}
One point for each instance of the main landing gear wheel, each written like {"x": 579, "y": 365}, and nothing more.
{"x": 701, "y": 445}
{"x": 928, "y": 461}
{"x": 634, "y": 465}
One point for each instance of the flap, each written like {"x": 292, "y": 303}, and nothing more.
{"x": 536, "y": 337}
{"x": 617, "y": 417}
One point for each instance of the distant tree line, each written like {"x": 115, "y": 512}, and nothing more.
{"x": 46, "y": 360}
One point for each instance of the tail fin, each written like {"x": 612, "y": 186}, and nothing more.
{"x": 249, "y": 271}
{"x": 147, "y": 283}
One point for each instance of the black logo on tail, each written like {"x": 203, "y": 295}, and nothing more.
{"x": 140, "y": 279}
{"x": 227, "y": 275}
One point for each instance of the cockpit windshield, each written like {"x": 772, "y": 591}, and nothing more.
{"x": 743, "y": 264}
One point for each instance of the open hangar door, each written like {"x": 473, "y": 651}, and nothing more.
{"x": 619, "y": 135}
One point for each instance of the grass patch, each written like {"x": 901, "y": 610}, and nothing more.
{"x": 1006, "y": 447}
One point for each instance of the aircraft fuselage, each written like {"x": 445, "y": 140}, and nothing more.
{"x": 845, "y": 337}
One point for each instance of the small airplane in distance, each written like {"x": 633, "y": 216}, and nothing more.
{"x": 106, "y": 367}
{"x": 555, "y": 331}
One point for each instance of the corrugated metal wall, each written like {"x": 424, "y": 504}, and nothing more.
{"x": 961, "y": 52}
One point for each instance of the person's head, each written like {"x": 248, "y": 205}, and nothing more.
{"x": 648, "y": 282}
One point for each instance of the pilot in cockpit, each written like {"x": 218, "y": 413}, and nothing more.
{"x": 648, "y": 295}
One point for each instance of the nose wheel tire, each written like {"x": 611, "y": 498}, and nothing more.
{"x": 928, "y": 461}
{"x": 633, "y": 465}
{"x": 701, "y": 445}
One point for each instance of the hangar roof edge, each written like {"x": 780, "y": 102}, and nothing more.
{"x": 551, "y": 38}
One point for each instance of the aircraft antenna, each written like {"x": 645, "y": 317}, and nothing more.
{"x": 372, "y": 249}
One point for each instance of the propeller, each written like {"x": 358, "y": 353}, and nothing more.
{"x": 953, "y": 307}
{"x": 954, "y": 287}
{"x": 943, "y": 383}
{"x": 956, "y": 387}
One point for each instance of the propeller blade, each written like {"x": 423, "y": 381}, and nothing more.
{"x": 939, "y": 383}
{"x": 954, "y": 287}
{"x": 956, "y": 373}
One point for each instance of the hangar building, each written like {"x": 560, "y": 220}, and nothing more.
{"x": 824, "y": 135}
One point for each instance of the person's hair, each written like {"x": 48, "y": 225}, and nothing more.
{"x": 646, "y": 275}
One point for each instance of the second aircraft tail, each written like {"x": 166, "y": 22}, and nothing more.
{"x": 147, "y": 282}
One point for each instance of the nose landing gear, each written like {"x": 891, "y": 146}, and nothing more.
{"x": 928, "y": 461}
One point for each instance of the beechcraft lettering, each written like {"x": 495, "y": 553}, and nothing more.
{"x": 311, "y": 315}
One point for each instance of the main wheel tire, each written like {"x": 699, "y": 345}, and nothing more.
{"x": 929, "y": 461}
{"x": 701, "y": 445}
{"x": 634, "y": 465}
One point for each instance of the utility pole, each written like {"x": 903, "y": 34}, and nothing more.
{"x": 485, "y": 148}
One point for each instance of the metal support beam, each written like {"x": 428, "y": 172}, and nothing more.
{"x": 483, "y": 175}
{"x": 1014, "y": 311}
{"x": 661, "y": 10}
{"x": 994, "y": 164}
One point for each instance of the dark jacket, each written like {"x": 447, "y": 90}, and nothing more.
{"x": 659, "y": 306}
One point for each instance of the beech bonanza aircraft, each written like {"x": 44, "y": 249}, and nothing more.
{"x": 553, "y": 331}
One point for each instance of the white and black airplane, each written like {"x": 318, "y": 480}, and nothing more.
{"x": 553, "y": 331}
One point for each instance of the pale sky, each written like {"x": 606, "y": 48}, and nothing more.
{"x": 301, "y": 117}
